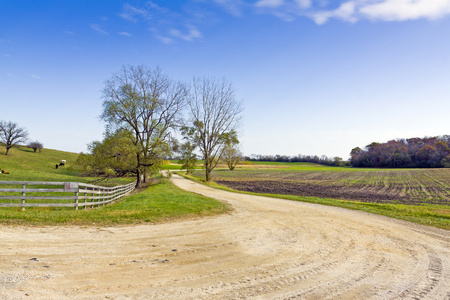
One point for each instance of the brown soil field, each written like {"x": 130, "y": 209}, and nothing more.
{"x": 413, "y": 186}
{"x": 265, "y": 248}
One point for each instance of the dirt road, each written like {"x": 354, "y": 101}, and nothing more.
{"x": 264, "y": 249}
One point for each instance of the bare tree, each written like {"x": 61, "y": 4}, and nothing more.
{"x": 36, "y": 145}
{"x": 147, "y": 103}
{"x": 215, "y": 115}
{"x": 232, "y": 156}
{"x": 11, "y": 134}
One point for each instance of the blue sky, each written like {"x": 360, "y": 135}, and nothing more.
{"x": 316, "y": 77}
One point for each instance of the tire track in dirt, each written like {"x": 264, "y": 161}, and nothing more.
{"x": 427, "y": 281}
{"x": 264, "y": 249}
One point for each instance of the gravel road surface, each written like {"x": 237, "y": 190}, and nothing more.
{"x": 264, "y": 248}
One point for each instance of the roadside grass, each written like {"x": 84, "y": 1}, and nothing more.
{"x": 436, "y": 215}
{"x": 425, "y": 214}
{"x": 160, "y": 202}
{"x": 174, "y": 165}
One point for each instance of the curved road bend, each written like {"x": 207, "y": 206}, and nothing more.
{"x": 264, "y": 249}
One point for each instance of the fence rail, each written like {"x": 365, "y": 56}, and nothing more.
{"x": 59, "y": 194}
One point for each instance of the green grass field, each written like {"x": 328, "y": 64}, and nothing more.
{"x": 160, "y": 202}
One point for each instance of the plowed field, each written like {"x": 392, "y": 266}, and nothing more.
{"x": 410, "y": 186}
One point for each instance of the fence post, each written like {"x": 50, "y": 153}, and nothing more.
{"x": 23, "y": 195}
{"x": 99, "y": 195}
{"x": 76, "y": 200}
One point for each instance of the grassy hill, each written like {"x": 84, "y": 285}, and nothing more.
{"x": 25, "y": 165}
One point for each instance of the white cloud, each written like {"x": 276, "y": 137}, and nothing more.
{"x": 98, "y": 29}
{"x": 400, "y": 10}
{"x": 130, "y": 13}
{"x": 345, "y": 12}
{"x": 352, "y": 11}
{"x": 232, "y": 6}
{"x": 269, "y": 3}
{"x": 303, "y": 3}
{"x": 69, "y": 32}
{"x": 284, "y": 10}
{"x": 384, "y": 10}
{"x": 148, "y": 11}
{"x": 160, "y": 37}
{"x": 164, "y": 39}
{"x": 123, "y": 33}
{"x": 169, "y": 25}
{"x": 35, "y": 76}
{"x": 191, "y": 34}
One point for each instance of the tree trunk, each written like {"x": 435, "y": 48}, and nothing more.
{"x": 207, "y": 169}
{"x": 208, "y": 174}
{"x": 145, "y": 176}
{"x": 138, "y": 181}
{"x": 138, "y": 173}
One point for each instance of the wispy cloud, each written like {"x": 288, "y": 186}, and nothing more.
{"x": 69, "y": 32}
{"x": 171, "y": 24}
{"x": 400, "y": 10}
{"x": 346, "y": 11}
{"x": 167, "y": 25}
{"x": 269, "y": 3}
{"x": 356, "y": 10}
{"x": 149, "y": 11}
{"x": 131, "y": 13}
{"x": 35, "y": 76}
{"x": 235, "y": 7}
{"x": 98, "y": 29}
{"x": 164, "y": 39}
{"x": 304, "y": 3}
{"x": 123, "y": 33}
{"x": 189, "y": 35}
{"x": 160, "y": 37}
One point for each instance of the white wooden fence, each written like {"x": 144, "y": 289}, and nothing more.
{"x": 59, "y": 194}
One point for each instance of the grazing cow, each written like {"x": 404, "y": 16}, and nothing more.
{"x": 56, "y": 166}
{"x": 4, "y": 172}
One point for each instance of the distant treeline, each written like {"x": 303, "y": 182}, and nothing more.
{"x": 323, "y": 160}
{"x": 428, "y": 152}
